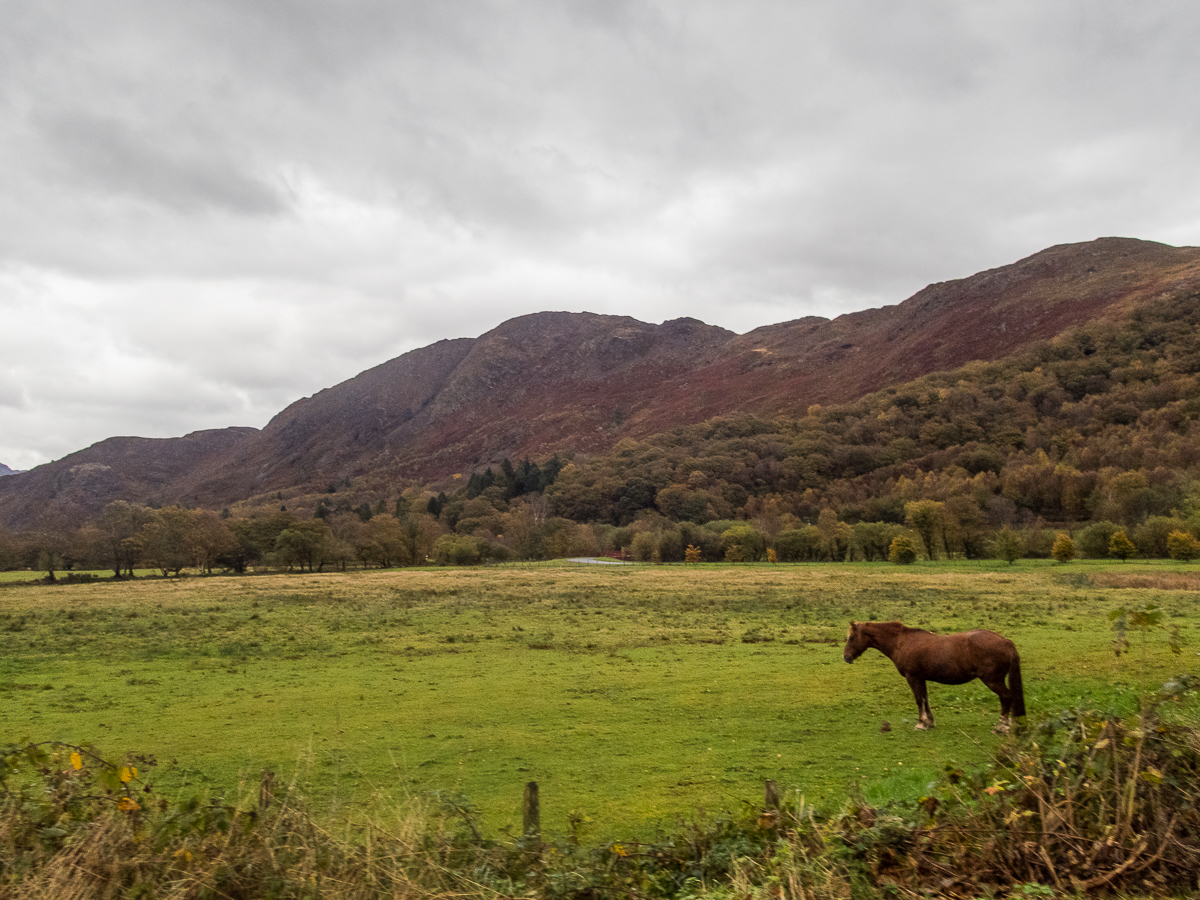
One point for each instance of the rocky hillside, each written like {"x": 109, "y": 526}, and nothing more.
{"x": 578, "y": 382}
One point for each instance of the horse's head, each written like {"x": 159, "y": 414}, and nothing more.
{"x": 856, "y": 642}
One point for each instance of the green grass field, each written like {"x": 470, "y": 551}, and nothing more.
{"x": 631, "y": 694}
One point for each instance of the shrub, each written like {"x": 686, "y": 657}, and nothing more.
{"x": 1153, "y": 535}
{"x": 1120, "y": 546}
{"x": 1038, "y": 542}
{"x": 457, "y": 550}
{"x": 874, "y": 539}
{"x": 1093, "y": 540}
{"x": 743, "y": 543}
{"x": 1182, "y": 546}
{"x": 1063, "y": 549}
{"x": 645, "y": 544}
{"x": 902, "y": 552}
{"x": 1008, "y": 545}
{"x": 798, "y": 544}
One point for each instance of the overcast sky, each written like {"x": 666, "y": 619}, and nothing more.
{"x": 211, "y": 208}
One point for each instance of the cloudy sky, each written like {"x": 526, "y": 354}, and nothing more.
{"x": 211, "y": 208}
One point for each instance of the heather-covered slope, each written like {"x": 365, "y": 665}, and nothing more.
{"x": 554, "y": 382}
{"x": 579, "y": 382}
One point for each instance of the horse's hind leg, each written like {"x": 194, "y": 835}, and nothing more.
{"x": 1004, "y": 726}
{"x": 921, "y": 695}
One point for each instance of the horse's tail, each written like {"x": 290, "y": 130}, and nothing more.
{"x": 1015, "y": 686}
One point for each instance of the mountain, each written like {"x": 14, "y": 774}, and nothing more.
{"x": 5, "y": 470}
{"x": 144, "y": 470}
{"x": 578, "y": 382}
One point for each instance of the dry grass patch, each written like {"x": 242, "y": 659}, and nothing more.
{"x": 1156, "y": 581}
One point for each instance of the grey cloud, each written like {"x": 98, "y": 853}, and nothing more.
{"x": 109, "y": 156}
{"x": 258, "y": 199}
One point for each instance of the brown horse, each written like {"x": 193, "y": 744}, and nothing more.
{"x": 922, "y": 656}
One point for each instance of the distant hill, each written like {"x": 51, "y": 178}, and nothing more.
{"x": 5, "y": 470}
{"x": 578, "y": 383}
{"x": 145, "y": 470}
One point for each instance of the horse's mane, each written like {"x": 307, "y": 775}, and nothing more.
{"x": 889, "y": 627}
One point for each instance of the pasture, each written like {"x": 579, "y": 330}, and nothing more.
{"x": 633, "y": 695}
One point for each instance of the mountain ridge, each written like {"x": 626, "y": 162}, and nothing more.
{"x": 558, "y": 382}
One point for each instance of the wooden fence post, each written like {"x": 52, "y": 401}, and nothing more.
{"x": 772, "y": 795}
{"x": 532, "y": 810}
{"x": 266, "y": 789}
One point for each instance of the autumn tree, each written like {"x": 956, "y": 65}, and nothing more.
{"x": 1121, "y": 546}
{"x": 1128, "y": 496}
{"x": 1064, "y": 548}
{"x": 257, "y": 536}
{"x": 48, "y": 545}
{"x": 835, "y": 535}
{"x": 562, "y": 538}
{"x": 582, "y": 493}
{"x": 874, "y": 539}
{"x": 1093, "y": 540}
{"x": 387, "y": 543}
{"x": 1183, "y": 546}
{"x": 1038, "y": 541}
{"x": 118, "y": 526}
{"x": 303, "y": 544}
{"x": 50, "y": 560}
{"x": 743, "y": 543}
{"x": 456, "y": 550}
{"x": 523, "y": 527}
{"x": 681, "y": 502}
{"x": 771, "y": 514}
{"x": 168, "y": 539}
{"x": 1152, "y": 535}
{"x": 211, "y": 540}
{"x": 482, "y": 511}
{"x": 418, "y": 534}
{"x": 1008, "y": 545}
{"x": 644, "y": 547}
{"x": 965, "y": 527}
{"x": 926, "y": 517}
{"x": 798, "y": 544}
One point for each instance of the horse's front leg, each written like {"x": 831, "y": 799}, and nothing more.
{"x": 921, "y": 695}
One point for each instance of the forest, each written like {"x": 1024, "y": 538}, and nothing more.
{"x": 1086, "y": 445}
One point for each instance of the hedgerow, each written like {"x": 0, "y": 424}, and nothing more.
{"x": 1080, "y": 803}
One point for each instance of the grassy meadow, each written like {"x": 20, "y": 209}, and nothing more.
{"x": 632, "y": 694}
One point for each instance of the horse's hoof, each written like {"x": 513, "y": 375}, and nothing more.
{"x": 921, "y": 726}
{"x": 1002, "y": 728}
